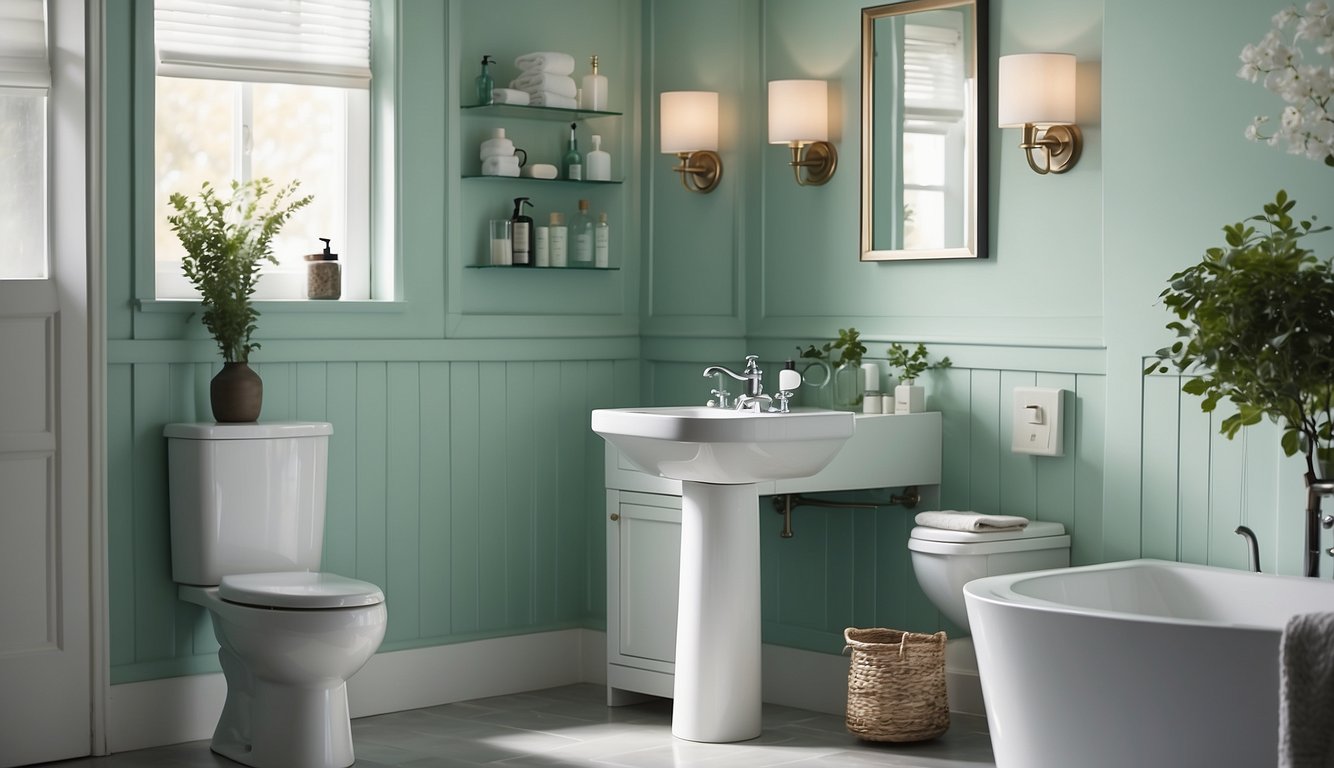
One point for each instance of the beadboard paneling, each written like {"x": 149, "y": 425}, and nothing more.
{"x": 469, "y": 491}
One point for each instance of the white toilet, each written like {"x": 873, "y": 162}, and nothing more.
{"x": 946, "y": 560}
{"x": 247, "y": 530}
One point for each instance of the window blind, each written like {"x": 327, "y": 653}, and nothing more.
{"x": 302, "y": 42}
{"x": 23, "y": 63}
{"x": 932, "y": 68}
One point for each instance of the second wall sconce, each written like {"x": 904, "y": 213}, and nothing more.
{"x": 799, "y": 118}
{"x": 1037, "y": 93}
{"x": 689, "y": 130}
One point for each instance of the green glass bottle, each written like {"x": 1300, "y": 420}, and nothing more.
{"x": 485, "y": 85}
{"x": 572, "y": 164}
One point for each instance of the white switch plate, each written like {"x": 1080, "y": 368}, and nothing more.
{"x": 1044, "y": 437}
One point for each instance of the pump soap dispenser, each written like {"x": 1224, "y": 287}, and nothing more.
{"x": 522, "y": 226}
{"x": 485, "y": 85}
{"x": 594, "y": 94}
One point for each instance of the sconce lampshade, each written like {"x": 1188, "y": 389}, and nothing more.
{"x": 798, "y": 111}
{"x": 689, "y": 121}
{"x": 1036, "y": 88}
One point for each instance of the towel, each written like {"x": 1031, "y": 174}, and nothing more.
{"x": 545, "y": 61}
{"x": 1306, "y": 699}
{"x": 541, "y": 81}
{"x": 544, "y": 99}
{"x": 500, "y": 166}
{"x": 540, "y": 171}
{"x": 951, "y": 520}
{"x": 509, "y": 96}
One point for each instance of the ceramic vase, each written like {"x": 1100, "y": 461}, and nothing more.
{"x": 236, "y": 394}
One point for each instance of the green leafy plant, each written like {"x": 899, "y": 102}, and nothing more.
{"x": 225, "y": 240}
{"x": 911, "y": 364}
{"x": 1255, "y": 325}
{"x": 849, "y": 346}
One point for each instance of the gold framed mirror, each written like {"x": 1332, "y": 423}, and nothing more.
{"x": 924, "y": 137}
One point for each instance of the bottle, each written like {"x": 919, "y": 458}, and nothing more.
{"x": 582, "y": 233}
{"x": 602, "y": 242}
{"x": 558, "y": 239}
{"x": 572, "y": 165}
{"x": 594, "y": 92}
{"x": 598, "y": 162}
{"x": 542, "y": 241}
{"x": 485, "y": 85}
{"x": 324, "y": 276}
{"x": 522, "y": 233}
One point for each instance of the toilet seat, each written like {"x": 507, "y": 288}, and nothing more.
{"x": 298, "y": 590}
{"x": 1036, "y": 535}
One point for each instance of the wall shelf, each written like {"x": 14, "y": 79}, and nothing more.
{"x": 543, "y": 181}
{"x": 528, "y": 112}
{"x": 569, "y": 268}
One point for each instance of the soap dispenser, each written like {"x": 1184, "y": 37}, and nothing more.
{"x": 522, "y": 226}
{"x": 598, "y": 162}
{"x": 324, "y": 276}
{"x": 594, "y": 94}
{"x": 485, "y": 85}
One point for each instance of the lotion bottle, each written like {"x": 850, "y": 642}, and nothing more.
{"x": 594, "y": 93}
{"x": 602, "y": 242}
{"x": 559, "y": 242}
{"x": 582, "y": 233}
{"x": 598, "y": 162}
{"x": 522, "y": 226}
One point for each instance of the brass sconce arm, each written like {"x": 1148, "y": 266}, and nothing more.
{"x": 1058, "y": 144}
{"x": 819, "y": 158}
{"x": 700, "y": 170}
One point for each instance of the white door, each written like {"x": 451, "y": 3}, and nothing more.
{"x": 45, "y": 675}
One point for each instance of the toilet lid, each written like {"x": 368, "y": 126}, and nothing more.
{"x": 298, "y": 589}
{"x": 1034, "y": 530}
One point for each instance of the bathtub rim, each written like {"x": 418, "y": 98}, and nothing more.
{"x": 999, "y": 590}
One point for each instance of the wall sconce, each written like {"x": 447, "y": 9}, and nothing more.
{"x": 689, "y": 130}
{"x": 1037, "y": 93}
{"x": 799, "y": 118}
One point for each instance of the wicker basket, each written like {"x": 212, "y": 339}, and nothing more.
{"x": 896, "y": 685}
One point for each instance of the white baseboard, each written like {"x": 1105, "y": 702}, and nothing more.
{"x": 172, "y": 710}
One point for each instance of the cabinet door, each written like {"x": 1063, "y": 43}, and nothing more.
{"x": 649, "y": 575}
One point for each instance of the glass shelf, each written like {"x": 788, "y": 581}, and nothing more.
{"x": 544, "y": 181}
{"x": 570, "y": 268}
{"x": 536, "y": 113}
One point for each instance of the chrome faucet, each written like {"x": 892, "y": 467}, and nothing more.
{"x": 753, "y": 378}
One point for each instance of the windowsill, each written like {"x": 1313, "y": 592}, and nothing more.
{"x": 281, "y": 306}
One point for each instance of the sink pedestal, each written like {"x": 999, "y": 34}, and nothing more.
{"x": 717, "y": 683}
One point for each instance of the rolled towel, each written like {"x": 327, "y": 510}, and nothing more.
{"x": 544, "y": 99}
{"x": 500, "y": 166}
{"x": 509, "y": 96}
{"x": 542, "y": 81}
{"x": 546, "y": 61}
{"x": 540, "y": 171}
{"x": 952, "y": 520}
{"x": 1306, "y": 695}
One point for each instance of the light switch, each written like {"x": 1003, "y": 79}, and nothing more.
{"x": 1037, "y": 421}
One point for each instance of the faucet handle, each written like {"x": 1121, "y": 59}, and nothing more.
{"x": 721, "y": 401}
{"x": 752, "y": 363}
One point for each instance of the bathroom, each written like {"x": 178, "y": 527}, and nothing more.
{"x": 464, "y": 479}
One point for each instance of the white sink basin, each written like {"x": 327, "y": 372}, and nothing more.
{"x": 715, "y": 445}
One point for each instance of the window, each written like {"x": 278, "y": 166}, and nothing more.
{"x": 933, "y": 130}
{"x": 25, "y": 78}
{"x": 276, "y": 88}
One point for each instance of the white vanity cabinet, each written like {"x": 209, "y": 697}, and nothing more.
{"x": 644, "y": 538}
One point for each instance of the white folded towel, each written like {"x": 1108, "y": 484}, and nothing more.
{"x": 546, "y": 61}
{"x": 542, "y": 81}
{"x": 544, "y": 99}
{"x": 500, "y": 166}
{"x": 540, "y": 171}
{"x": 509, "y": 96}
{"x": 1306, "y": 699}
{"x": 952, "y": 520}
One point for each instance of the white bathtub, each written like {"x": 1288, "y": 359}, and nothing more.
{"x": 1141, "y": 663}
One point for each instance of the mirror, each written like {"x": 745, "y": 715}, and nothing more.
{"x": 924, "y": 144}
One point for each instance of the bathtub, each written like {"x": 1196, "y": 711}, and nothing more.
{"x": 1140, "y": 663}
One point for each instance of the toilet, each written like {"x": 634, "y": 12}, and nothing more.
{"x": 247, "y": 531}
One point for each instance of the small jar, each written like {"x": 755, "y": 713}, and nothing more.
{"x": 324, "y": 275}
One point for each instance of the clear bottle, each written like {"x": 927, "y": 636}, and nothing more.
{"x": 559, "y": 239}
{"x": 572, "y": 164}
{"x": 602, "y": 242}
{"x": 582, "y": 233}
{"x": 598, "y": 162}
{"x": 485, "y": 85}
{"x": 594, "y": 93}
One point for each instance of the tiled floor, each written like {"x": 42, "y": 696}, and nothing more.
{"x": 572, "y": 726}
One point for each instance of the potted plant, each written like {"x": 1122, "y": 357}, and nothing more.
{"x": 909, "y": 364}
{"x": 1255, "y": 325}
{"x": 225, "y": 240}
{"x": 842, "y": 370}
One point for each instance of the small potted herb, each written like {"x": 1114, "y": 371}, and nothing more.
{"x": 907, "y": 364}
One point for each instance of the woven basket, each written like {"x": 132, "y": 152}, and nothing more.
{"x": 896, "y": 685}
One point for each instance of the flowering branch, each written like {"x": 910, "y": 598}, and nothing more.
{"x": 1280, "y": 60}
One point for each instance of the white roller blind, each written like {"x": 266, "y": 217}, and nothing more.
{"x": 23, "y": 63}
{"x": 303, "y": 42}
{"x": 932, "y": 68}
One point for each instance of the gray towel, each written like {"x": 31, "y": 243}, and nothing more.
{"x": 1306, "y": 701}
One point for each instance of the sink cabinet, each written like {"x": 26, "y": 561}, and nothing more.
{"x": 644, "y": 538}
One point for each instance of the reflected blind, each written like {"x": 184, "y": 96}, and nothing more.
{"x": 302, "y": 42}
{"x": 24, "y": 67}
{"x": 932, "y": 68}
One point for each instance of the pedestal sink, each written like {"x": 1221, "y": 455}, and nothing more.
{"x": 719, "y": 455}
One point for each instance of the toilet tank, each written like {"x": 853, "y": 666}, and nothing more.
{"x": 246, "y": 498}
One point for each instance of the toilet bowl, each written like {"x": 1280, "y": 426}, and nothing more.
{"x": 247, "y": 525}
{"x": 944, "y": 561}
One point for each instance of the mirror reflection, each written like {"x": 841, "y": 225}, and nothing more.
{"x": 923, "y": 146}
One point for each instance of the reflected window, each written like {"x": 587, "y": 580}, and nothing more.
{"x": 25, "y": 78}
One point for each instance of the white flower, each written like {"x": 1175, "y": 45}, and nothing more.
{"x": 1278, "y": 61}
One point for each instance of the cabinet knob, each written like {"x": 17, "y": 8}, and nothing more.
{"x": 615, "y": 516}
